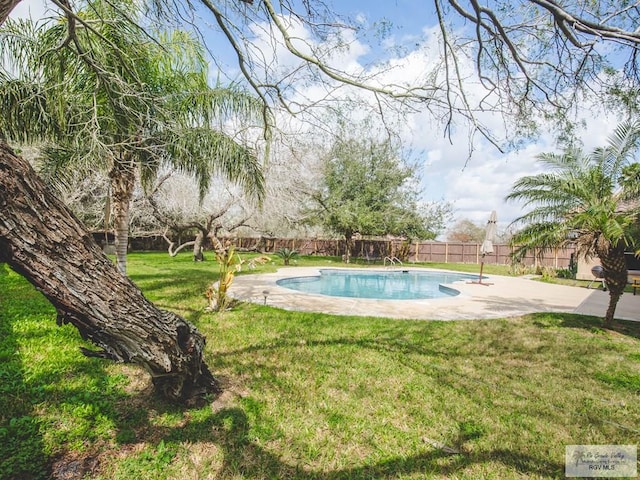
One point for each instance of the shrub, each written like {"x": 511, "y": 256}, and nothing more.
{"x": 230, "y": 263}
{"x": 286, "y": 254}
{"x": 565, "y": 273}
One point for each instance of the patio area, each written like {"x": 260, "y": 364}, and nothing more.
{"x": 504, "y": 297}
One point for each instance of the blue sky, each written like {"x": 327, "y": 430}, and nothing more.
{"x": 408, "y": 16}
{"x": 474, "y": 186}
{"x": 478, "y": 186}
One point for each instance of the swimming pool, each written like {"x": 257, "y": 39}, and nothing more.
{"x": 385, "y": 285}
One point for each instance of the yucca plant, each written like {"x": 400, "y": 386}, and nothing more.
{"x": 230, "y": 263}
{"x": 286, "y": 254}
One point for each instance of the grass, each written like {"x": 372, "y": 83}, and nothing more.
{"x": 313, "y": 396}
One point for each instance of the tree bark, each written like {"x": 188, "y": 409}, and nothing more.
{"x": 348, "y": 241}
{"x": 615, "y": 278}
{"x": 198, "y": 247}
{"x": 123, "y": 178}
{"x": 5, "y": 8}
{"x": 42, "y": 240}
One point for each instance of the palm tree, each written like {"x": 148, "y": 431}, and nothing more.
{"x": 580, "y": 200}
{"x": 107, "y": 96}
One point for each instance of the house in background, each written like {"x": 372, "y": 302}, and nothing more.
{"x": 585, "y": 266}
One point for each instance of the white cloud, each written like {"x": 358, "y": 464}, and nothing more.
{"x": 478, "y": 184}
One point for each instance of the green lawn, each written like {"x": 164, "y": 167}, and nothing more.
{"x": 312, "y": 396}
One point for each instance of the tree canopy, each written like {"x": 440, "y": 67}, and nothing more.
{"x": 368, "y": 189}
{"x": 534, "y": 59}
{"x": 465, "y": 230}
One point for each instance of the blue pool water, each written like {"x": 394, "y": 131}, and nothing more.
{"x": 386, "y": 285}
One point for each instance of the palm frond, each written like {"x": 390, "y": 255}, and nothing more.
{"x": 201, "y": 151}
{"x": 112, "y": 90}
{"x": 539, "y": 237}
{"x": 621, "y": 144}
{"x": 629, "y": 181}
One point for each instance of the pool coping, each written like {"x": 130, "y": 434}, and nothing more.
{"x": 504, "y": 297}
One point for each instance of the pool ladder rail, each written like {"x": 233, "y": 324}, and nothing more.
{"x": 392, "y": 261}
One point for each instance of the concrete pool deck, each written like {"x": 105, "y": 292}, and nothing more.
{"x": 505, "y": 297}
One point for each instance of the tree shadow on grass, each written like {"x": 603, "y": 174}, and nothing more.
{"x": 47, "y": 389}
{"x": 21, "y": 444}
{"x": 230, "y": 430}
{"x": 244, "y": 453}
{"x": 585, "y": 322}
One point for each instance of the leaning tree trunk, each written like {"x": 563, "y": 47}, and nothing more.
{"x": 615, "y": 277}
{"x": 42, "y": 240}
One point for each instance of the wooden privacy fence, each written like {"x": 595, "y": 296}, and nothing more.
{"x": 368, "y": 250}
{"x": 422, "y": 251}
